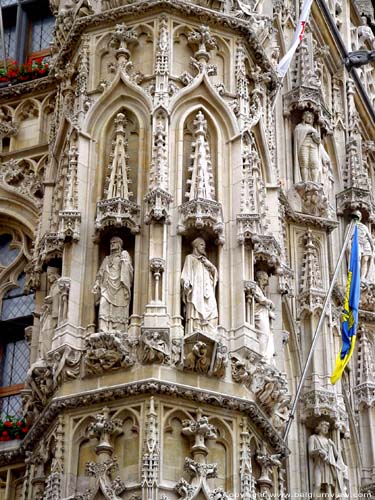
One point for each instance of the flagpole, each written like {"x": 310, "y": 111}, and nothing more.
{"x": 318, "y": 328}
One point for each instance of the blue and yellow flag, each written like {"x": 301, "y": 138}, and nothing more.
{"x": 350, "y": 313}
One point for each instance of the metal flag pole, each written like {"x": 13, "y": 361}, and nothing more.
{"x": 2, "y": 39}
{"x": 318, "y": 328}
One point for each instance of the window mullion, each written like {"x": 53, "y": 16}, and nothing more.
{"x": 22, "y": 34}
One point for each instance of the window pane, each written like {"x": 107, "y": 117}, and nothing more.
{"x": 7, "y": 364}
{"x": 15, "y": 303}
{"x": 7, "y": 254}
{"x": 4, "y": 3}
{"x": 41, "y": 33}
{"x": 11, "y": 405}
{"x": 15, "y": 362}
{"x": 9, "y": 21}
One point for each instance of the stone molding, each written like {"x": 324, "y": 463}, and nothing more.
{"x": 147, "y": 386}
{"x": 194, "y": 12}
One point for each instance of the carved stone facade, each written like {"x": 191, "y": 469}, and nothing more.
{"x": 176, "y": 226}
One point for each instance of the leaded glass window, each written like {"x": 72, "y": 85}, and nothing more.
{"x": 9, "y": 20}
{"x": 15, "y": 315}
{"x": 41, "y": 33}
{"x": 16, "y": 303}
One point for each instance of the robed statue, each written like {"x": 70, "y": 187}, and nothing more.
{"x": 112, "y": 288}
{"x": 198, "y": 280}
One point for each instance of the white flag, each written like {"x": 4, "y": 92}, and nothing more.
{"x": 283, "y": 65}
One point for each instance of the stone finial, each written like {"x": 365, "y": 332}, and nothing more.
{"x": 104, "y": 429}
{"x": 121, "y": 38}
{"x": 206, "y": 42}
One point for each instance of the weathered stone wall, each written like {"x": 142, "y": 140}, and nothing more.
{"x": 186, "y": 215}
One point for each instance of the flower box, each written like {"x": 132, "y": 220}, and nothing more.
{"x": 18, "y": 73}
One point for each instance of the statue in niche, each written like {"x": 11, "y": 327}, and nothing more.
{"x": 309, "y": 154}
{"x": 263, "y": 316}
{"x": 112, "y": 288}
{"x": 198, "y": 280}
{"x": 327, "y": 469}
{"x": 366, "y": 250}
{"x": 50, "y": 311}
{"x": 198, "y": 359}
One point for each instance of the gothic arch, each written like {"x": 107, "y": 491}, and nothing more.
{"x": 28, "y": 115}
{"x": 15, "y": 204}
{"x": 15, "y": 238}
{"x": 221, "y": 57}
{"x": 175, "y": 447}
{"x": 180, "y": 51}
{"x": 46, "y": 116}
{"x": 119, "y": 92}
{"x": 81, "y": 442}
{"x": 146, "y": 36}
{"x": 104, "y": 58}
{"x": 127, "y": 446}
{"x": 222, "y": 130}
{"x": 196, "y": 91}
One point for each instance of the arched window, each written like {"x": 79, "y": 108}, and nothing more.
{"x": 15, "y": 315}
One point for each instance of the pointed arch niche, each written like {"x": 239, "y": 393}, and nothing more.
{"x": 175, "y": 446}
{"x": 220, "y": 452}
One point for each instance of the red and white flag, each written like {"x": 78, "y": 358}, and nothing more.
{"x": 284, "y": 64}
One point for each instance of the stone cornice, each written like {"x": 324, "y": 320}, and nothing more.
{"x": 194, "y": 12}
{"x": 143, "y": 387}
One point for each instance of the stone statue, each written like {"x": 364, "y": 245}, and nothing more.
{"x": 263, "y": 316}
{"x": 50, "y": 311}
{"x": 198, "y": 281}
{"x": 112, "y": 288}
{"x": 325, "y": 469}
{"x": 308, "y": 150}
{"x": 366, "y": 249}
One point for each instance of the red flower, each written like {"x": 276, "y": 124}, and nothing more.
{"x": 25, "y": 429}
{"x": 4, "y": 433}
{"x": 8, "y": 424}
{"x": 19, "y": 423}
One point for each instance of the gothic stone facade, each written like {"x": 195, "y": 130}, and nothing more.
{"x": 179, "y": 232}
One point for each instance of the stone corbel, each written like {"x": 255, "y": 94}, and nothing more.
{"x": 8, "y": 129}
{"x": 313, "y": 198}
